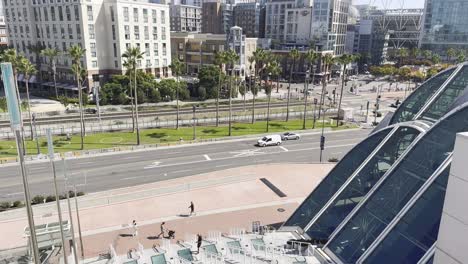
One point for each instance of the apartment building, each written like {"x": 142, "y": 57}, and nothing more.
{"x": 218, "y": 17}
{"x": 104, "y": 28}
{"x": 248, "y": 16}
{"x": 186, "y": 18}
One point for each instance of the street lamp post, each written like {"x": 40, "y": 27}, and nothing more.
{"x": 322, "y": 138}
{"x": 70, "y": 216}
{"x": 315, "y": 115}
{"x": 194, "y": 123}
{"x": 35, "y": 133}
{"x": 306, "y": 93}
{"x": 16, "y": 126}
{"x": 269, "y": 100}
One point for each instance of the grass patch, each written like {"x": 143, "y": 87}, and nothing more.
{"x": 154, "y": 136}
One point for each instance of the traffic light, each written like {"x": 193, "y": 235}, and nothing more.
{"x": 322, "y": 142}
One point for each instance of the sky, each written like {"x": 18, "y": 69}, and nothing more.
{"x": 393, "y": 3}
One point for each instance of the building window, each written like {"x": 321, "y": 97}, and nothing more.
{"x": 60, "y": 12}
{"x": 70, "y": 31}
{"x": 46, "y": 15}
{"x": 145, "y": 15}
{"x": 90, "y": 13}
{"x": 148, "y": 63}
{"x": 155, "y": 50}
{"x": 163, "y": 33}
{"x": 147, "y": 50}
{"x": 93, "y": 50}
{"x": 164, "y": 50}
{"x": 127, "y": 32}
{"x": 136, "y": 31}
{"x": 116, "y": 64}
{"x": 77, "y": 13}
{"x": 125, "y": 14}
{"x": 91, "y": 31}
{"x": 181, "y": 46}
{"x": 135, "y": 15}
{"x": 68, "y": 13}
{"x": 164, "y": 62}
{"x": 155, "y": 33}
{"x": 62, "y": 31}
{"x": 113, "y": 32}
{"x": 146, "y": 32}
{"x": 94, "y": 64}
{"x": 153, "y": 14}
{"x": 163, "y": 17}
{"x": 78, "y": 31}
{"x": 112, "y": 13}
{"x": 52, "y": 13}
{"x": 156, "y": 63}
{"x": 115, "y": 50}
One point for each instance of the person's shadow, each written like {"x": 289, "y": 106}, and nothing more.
{"x": 126, "y": 235}
{"x": 183, "y": 215}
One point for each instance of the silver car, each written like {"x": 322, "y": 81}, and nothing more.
{"x": 290, "y": 136}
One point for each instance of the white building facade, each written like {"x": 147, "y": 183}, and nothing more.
{"x": 104, "y": 28}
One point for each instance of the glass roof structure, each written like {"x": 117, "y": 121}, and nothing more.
{"x": 387, "y": 194}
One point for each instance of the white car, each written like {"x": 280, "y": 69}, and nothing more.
{"x": 289, "y": 135}
{"x": 272, "y": 140}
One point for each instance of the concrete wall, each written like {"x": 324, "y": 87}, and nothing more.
{"x": 453, "y": 233}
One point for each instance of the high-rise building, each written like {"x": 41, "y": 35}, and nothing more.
{"x": 217, "y": 17}
{"x": 329, "y": 24}
{"x": 104, "y": 28}
{"x": 248, "y": 17}
{"x": 445, "y": 25}
{"x": 185, "y": 18}
{"x": 3, "y": 30}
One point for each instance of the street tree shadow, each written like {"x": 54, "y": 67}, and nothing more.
{"x": 157, "y": 135}
{"x": 238, "y": 128}
{"x": 126, "y": 235}
{"x": 275, "y": 125}
{"x": 210, "y": 131}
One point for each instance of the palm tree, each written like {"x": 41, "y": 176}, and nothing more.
{"x": 327, "y": 61}
{"x": 133, "y": 55}
{"x": 460, "y": 56}
{"x": 77, "y": 53}
{"x": 435, "y": 58}
{"x": 426, "y": 54}
{"x": 11, "y": 56}
{"x": 52, "y": 55}
{"x": 311, "y": 57}
{"x": 28, "y": 69}
{"x": 402, "y": 55}
{"x": 294, "y": 55}
{"x": 37, "y": 49}
{"x": 176, "y": 68}
{"x": 220, "y": 60}
{"x": 273, "y": 70}
{"x": 415, "y": 53}
{"x": 231, "y": 58}
{"x": 344, "y": 59}
{"x": 129, "y": 72}
{"x": 257, "y": 57}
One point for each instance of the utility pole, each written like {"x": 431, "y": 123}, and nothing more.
{"x": 50, "y": 145}
{"x": 367, "y": 111}
{"x": 70, "y": 216}
{"x": 315, "y": 108}
{"x": 16, "y": 126}
{"x": 322, "y": 138}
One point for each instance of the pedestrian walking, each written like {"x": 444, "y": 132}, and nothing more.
{"x": 163, "y": 229}
{"x": 199, "y": 242}
{"x": 192, "y": 208}
{"x": 135, "y": 228}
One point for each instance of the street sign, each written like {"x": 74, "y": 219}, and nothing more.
{"x": 322, "y": 142}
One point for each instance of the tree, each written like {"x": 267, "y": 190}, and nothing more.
{"x": 52, "y": 55}
{"x": 210, "y": 77}
{"x": 133, "y": 56}
{"x": 294, "y": 55}
{"x": 268, "y": 88}
{"x": 344, "y": 59}
{"x": 414, "y": 52}
{"x": 402, "y": 55}
{"x": 77, "y": 53}
{"x": 450, "y": 54}
{"x": 435, "y": 59}
{"x": 327, "y": 62}
{"x": 256, "y": 58}
{"x": 177, "y": 68}
{"x": 461, "y": 56}
{"x": 220, "y": 60}
{"x": 37, "y": 50}
{"x": 427, "y": 54}
{"x": 3, "y": 104}
{"x": 231, "y": 59}
{"x": 28, "y": 69}
{"x": 275, "y": 70}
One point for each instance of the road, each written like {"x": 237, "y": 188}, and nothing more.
{"x": 106, "y": 172}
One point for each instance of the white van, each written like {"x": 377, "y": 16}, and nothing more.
{"x": 272, "y": 140}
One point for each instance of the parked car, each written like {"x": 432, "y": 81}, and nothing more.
{"x": 289, "y": 135}
{"x": 272, "y": 140}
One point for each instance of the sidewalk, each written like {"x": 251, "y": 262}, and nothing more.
{"x": 217, "y": 206}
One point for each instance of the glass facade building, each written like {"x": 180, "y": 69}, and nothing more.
{"x": 383, "y": 202}
{"x": 445, "y": 25}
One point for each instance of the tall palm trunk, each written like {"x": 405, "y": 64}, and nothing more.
{"x": 80, "y": 99}
{"x": 20, "y": 111}
{"x": 253, "y": 96}
{"x": 29, "y": 107}
{"x": 341, "y": 96}
{"x": 289, "y": 90}
{"x": 177, "y": 102}
{"x": 54, "y": 73}
{"x": 324, "y": 87}
{"x": 132, "y": 98}
{"x": 230, "y": 103}
{"x": 268, "y": 113}
{"x": 136, "y": 107}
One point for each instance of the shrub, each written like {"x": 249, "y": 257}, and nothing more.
{"x": 50, "y": 198}
{"x": 17, "y": 204}
{"x": 333, "y": 160}
{"x": 62, "y": 197}
{"x": 4, "y": 206}
{"x": 80, "y": 193}
{"x": 38, "y": 199}
{"x": 71, "y": 194}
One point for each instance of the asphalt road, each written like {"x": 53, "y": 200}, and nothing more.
{"x": 99, "y": 173}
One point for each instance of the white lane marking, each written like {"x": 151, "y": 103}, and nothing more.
{"x": 180, "y": 171}
{"x": 283, "y": 148}
{"x": 247, "y": 153}
{"x": 207, "y": 157}
{"x": 131, "y": 157}
{"x": 224, "y": 165}
{"x": 133, "y": 178}
{"x": 14, "y": 194}
{"x": 84, "y": 163}
{"x": 154, "y": 165}
{"x": 263, "y": 161}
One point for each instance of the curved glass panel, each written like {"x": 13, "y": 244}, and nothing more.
{"x": 431, "y": 260}
{"x": 412, "y": 237}
{"x": 413, "y": 104}
{"x": 444, "y": 101}
{"x": 335, "y": 179}
{"x": 398, "y": 188}
{"x": 362, "y": 183}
